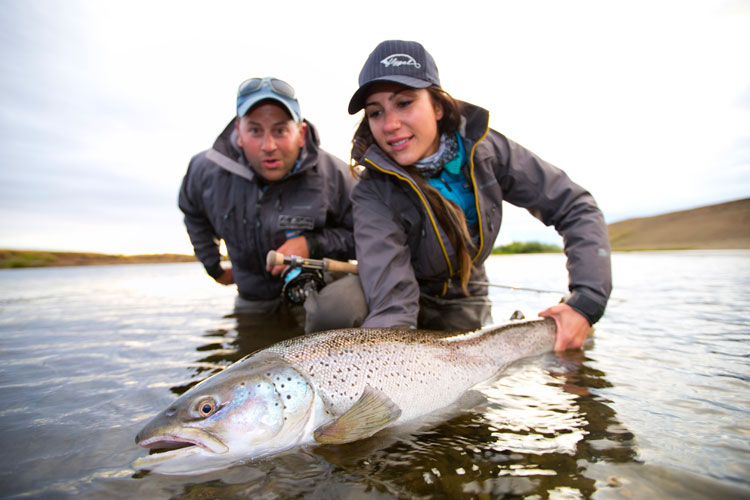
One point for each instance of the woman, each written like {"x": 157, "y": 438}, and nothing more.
{"x": 427, "y": 209}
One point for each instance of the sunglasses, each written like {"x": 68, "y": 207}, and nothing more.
{"x": 255, "y": 84}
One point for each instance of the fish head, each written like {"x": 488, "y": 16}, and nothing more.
{"x": 247, "y": 411}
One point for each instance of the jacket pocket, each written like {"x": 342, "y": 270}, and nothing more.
{"x": 228, "y": 227}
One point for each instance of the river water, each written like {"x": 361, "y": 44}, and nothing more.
{"x": 657, "y": 405}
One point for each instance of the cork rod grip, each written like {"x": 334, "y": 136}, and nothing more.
{"x": 337, "y": 266}
{"x": 274, "y": 258}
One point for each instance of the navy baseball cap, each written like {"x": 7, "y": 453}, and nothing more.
{"x": 254, "y": 90}
{"x": 398, "y": 61}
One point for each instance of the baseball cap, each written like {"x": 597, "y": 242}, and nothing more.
{"x": 399, "y": 61}
{"x": 254, "y": 90}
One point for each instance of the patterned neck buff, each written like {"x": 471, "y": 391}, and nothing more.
{"x": 432, "y": 165}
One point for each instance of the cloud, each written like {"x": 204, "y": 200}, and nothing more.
{"x": 103, "y": 104}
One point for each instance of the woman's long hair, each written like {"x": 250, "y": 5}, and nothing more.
{"x": 449, "y": 215}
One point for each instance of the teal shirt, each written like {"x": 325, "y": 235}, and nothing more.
{"x": 454, "y": 186}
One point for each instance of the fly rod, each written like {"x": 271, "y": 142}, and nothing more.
{"x": 275, "y": 258}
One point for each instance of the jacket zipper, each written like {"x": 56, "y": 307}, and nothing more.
{"x": 429, "y": 214}
{"x": 476, "y": 193}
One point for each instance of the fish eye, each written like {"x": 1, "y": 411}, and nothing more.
{"x": 205, "y": 407}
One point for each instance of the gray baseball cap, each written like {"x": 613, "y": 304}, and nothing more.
{"x": 398, "y": 61}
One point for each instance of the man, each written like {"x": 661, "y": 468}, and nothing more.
{"x": 266, "y": 185}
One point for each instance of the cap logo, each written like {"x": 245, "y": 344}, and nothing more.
{"x": 400, "y": 60}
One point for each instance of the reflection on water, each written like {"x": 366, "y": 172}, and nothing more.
{"x": 225, "y": 347}
{"x": 656, "y": 406}
{"x": 526, "y": 438}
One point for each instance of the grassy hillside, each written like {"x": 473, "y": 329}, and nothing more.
{"x": 722, "y": 226}
{"x": 527, "y": 247}
{"x": 35, "y": 258}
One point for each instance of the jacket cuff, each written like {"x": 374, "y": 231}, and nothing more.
{"x": 214, "y": 270}
{"x": 313, "y": 246}
{"x": 588, "y": 308}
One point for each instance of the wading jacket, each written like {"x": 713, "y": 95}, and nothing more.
{"x": 402, "y": 250}
{"x": 253, "y": 217}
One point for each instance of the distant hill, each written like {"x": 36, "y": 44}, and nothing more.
{"x": 36, "y": 258}
{"x": 722, "y": 226}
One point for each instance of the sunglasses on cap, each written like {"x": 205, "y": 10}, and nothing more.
{"x": 255, "y": 84}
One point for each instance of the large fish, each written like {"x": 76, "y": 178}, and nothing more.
{"x": 332, "y": 387}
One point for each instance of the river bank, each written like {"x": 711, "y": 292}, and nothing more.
{"x": 721, "y": 226}
{"x": 13, "y": 259}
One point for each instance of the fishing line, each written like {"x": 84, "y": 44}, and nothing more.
{"x": 521, "y": 288}
{"x": 275, "y": 258}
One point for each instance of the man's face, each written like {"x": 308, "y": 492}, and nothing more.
{"x": 270, "y": 139}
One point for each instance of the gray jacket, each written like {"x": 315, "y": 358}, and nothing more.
{"x": 402, "y": 250}
{"x": 252, "y": 217}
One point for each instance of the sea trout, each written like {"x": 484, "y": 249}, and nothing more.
{"x": 328, "y": 388}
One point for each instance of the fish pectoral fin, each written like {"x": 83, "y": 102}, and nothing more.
{"x": 372, "y": 412}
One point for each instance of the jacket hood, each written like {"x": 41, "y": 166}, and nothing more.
{"x": 476, "y": 121}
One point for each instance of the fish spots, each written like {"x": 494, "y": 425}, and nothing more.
{"x": 293, "y": 392}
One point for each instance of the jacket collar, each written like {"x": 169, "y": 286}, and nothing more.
{"x": 475, "y": 122}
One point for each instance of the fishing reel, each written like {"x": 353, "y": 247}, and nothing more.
{"x": 299, "y": 282}
{"x": 305, "y": 275}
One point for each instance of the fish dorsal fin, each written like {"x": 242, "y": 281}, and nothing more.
{"x": 372, "y": 412}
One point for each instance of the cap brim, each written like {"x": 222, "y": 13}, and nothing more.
{"x": 358, "y": 99}
{"x": 264, "y": 95}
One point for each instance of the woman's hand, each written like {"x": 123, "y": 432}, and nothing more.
{"x": 572, "y": 327}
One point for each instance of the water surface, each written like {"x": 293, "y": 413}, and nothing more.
{"x": 657, "y": 405}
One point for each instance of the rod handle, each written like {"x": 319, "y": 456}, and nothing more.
{"x": 339, "y": 267}
{"x": 274, "y": 258}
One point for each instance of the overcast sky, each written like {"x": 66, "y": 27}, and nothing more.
{"x": 102, "y": 103}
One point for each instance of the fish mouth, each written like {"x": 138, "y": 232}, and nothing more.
{"x": 186, "y": 438}
{"x": 160, "y": 456}
{"x": 160, "y": 444}
{"x": 166, "y": 446}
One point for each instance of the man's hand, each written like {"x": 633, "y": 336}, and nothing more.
{"x": 294, "y": 246}
{"x": 226, "y": 278}
{"x": 572, "y": 327}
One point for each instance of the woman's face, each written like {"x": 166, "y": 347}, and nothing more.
{"x": 403, "y": 122}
